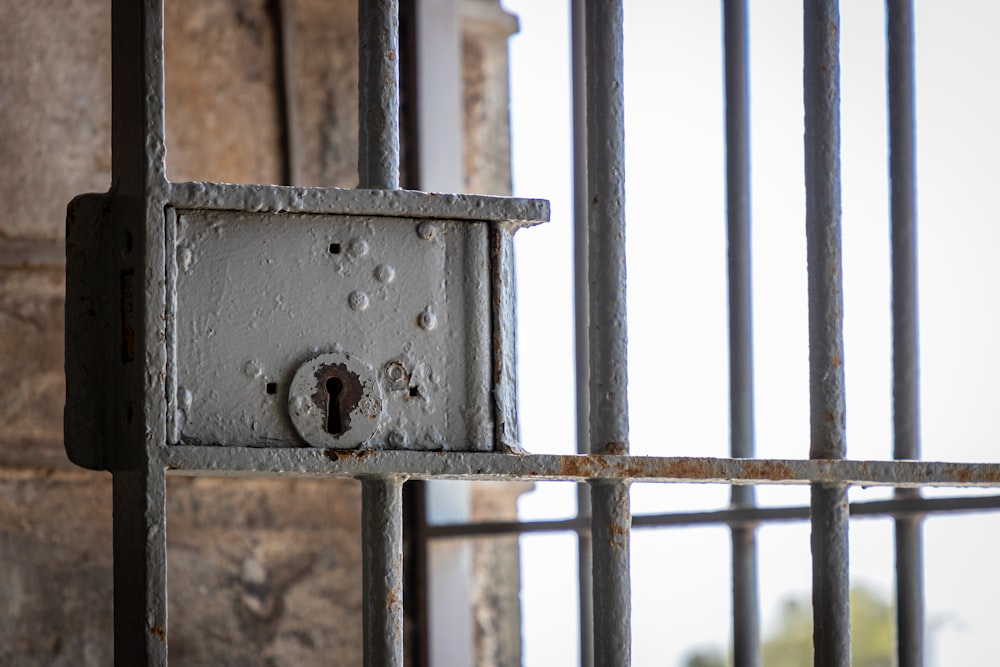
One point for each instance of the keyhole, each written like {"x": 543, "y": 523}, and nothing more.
{"x": 334, "y": 425}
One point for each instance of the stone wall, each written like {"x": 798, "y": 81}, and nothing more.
{"x": 260, "y": 571}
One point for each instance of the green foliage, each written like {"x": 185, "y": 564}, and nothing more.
{"x": 872, "y": 638}
{"x": 873, "y": 642}
{"x": 706, "y": 657}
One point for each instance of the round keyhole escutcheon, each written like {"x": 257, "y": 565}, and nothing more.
{"x": 335, "y": 401}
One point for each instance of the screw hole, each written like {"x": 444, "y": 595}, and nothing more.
{"x": 272, "y": 388}
{"x": 334, "y": 248}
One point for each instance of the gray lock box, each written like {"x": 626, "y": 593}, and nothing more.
{"x": 312, "y": 317}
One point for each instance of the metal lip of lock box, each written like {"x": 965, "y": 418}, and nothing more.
{"x": 301, "y": 317}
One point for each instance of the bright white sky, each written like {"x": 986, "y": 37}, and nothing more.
{"x": 677, "y": 304}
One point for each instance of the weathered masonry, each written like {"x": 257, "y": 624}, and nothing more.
{"x": 367, "y": 334}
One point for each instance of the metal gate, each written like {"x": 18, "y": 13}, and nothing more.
{"x": 128, "y": 410}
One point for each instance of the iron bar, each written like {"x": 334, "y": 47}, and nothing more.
{"x": 138, "y": 187}
{"x": 903, "y": 204}
{"x": 606, "y": 224}
{"x": 909, "y": 590}
{"x": 378, "y": 88}
{"x": 905, "y": 331}
{"x": 378, "y": 169}
{"x": 289, "y": 116}
{"x": 302, "y": 462}
{"x": 831, "y": 599}
{"x": 821, "y": 84}
{"x": 585, "y": 561}
{"x": 746, "y": 608}
{"x": 733, "y": 516}
{"x": 140, "y": 566}
{"x": 607, "y": 336}
{"x": 382, "y": 570}
{"x": 610, "y": 527}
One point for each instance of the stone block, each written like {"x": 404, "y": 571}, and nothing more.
{"x": 260, "y": 572}
{"x": 264, "y": 572}
{"x": 55, "y": 111}
{"x": 222, "y": 98}
{"x": 31, "y": 360}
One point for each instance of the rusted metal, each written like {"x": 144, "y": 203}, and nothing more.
{"x": 243, "y": 461}
{"x": 382, "y": 570}
{"x": 831, "y": 576}
{"x": 821, "y": 88}
{"x": 607, "y": 333}
{"x": 610, "y": 528}
{"x": 378, "y": 168}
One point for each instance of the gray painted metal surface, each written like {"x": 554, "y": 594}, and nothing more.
{"x": 830, "y": 598}
{"x": 135, "y": 416}
{"x": 408, "y": 203}
{"x": 382, "y": 565}
{"x": 581, "y": 297}
{"x": 905, "y": 334}
{"x": 378, "y": 167}
{"x": 378, "y": 94}
{"x": 255, "y": 296}
{"x": 607, "y": 335}
{"x": 746, "y": 606}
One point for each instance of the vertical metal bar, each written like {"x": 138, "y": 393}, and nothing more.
{"x": 829, "y": 513}
{"x": 608, "y": 423}
{"x": 610, "y": 528}
{"x": 138, "y": 144}
{"x": 382, "y": 570}
{"x": 138, "y": 189}
{"x": 378, "y": 94}
{"x": 585, "y": 559}
{"x": 746, "y": 613}
{"x": 289, "y": 119}
{"x": 606, "y": 224}
{"x": 140, "y": 572}
{"x": 905, "y": 331}
{"x": 378, "y": 168}
{"x": 909, "y": 591}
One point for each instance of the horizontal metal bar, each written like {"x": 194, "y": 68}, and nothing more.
{"x": 411, "y": 203}
{"x": 303, "y": 462}
{"x": 736, "y": 516}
